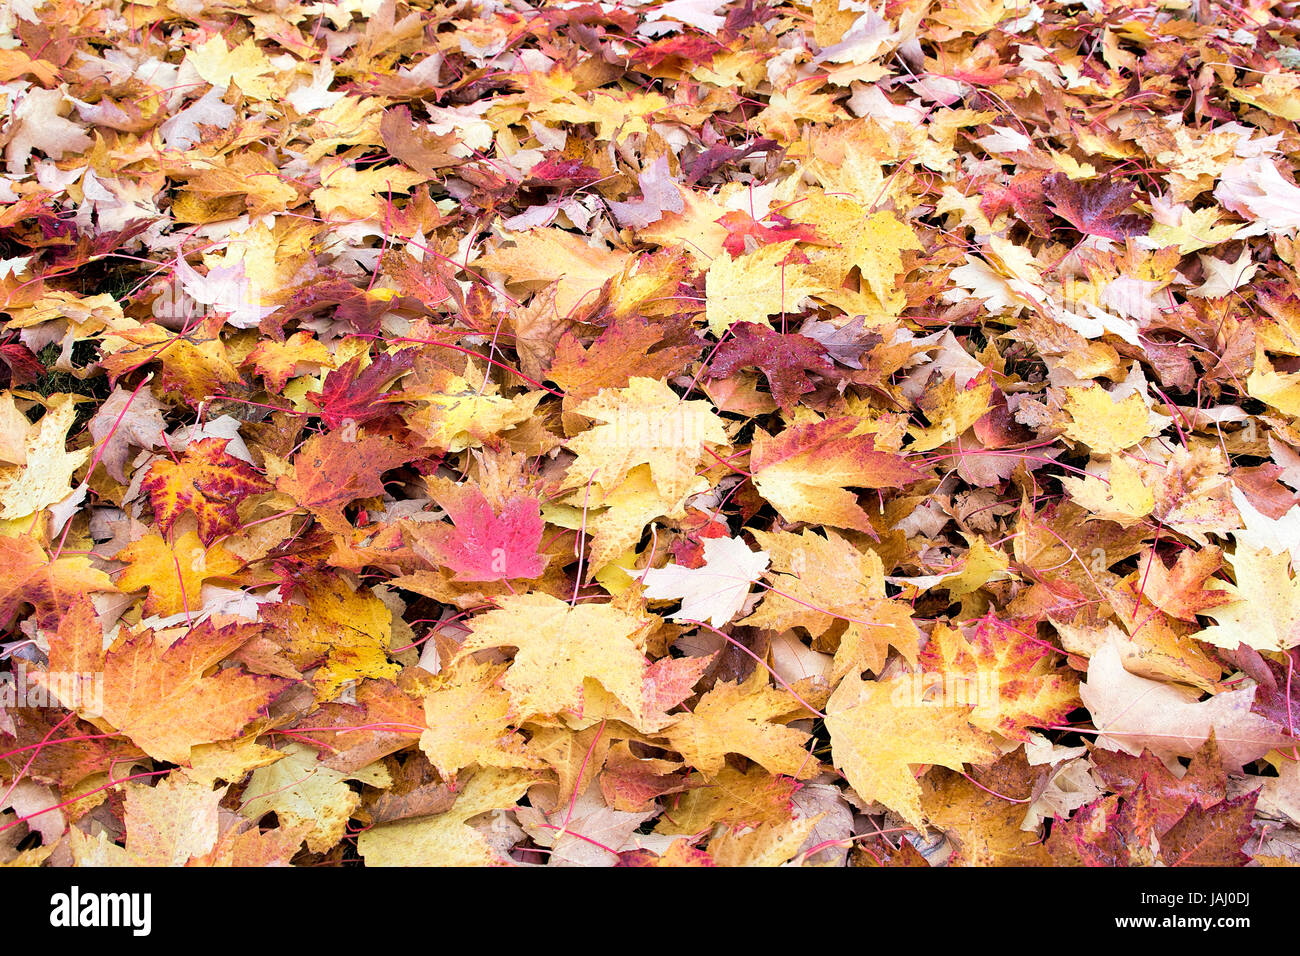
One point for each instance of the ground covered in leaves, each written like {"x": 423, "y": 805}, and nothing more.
{"x": 686, "y": 433}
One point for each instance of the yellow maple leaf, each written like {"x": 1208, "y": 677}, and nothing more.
{"x": 806, "y": 470}
{"x": 847, "y": 158}
{"x": 1264, "y": 610}
{"x": 15, "y": 432}
{"x": 349, "y": 193}
{"x": 463, "y": 411}
{"x": 1279, "y": 389}
{"x": 1193, "y": 494}
{"x": 346, "y": 631}
{"x": 30, "y": 575}
{"x": 171, "y": 822}
{"x": 621, "y": 113}
{"x": 46, "y": 474}
{"x": 733, "y": 797}
{"x": 558, "y": 647}
{"x": 248, "y": 174}
{"x": 277, "y": 362}
{"x": 879, "y": 732}
{"x": 645, "y": 423}
{"x": 695, "y": 229}
{"x": 352, "y": 121}
{"x": 1194, "y": 230}
{"x": 752, "y": 287}
{"x": 174, "y": 571}
{"x": 158, "y": 695}
{"x": 951, "y": 412}
{"x": 197, "y": 365}
{"x": 1123, "y": 498}
{"x": 820, "y": 581}
{"x": 1103, "y": 424}
{"x": 301, "y": 791}
{"x": 1009, "y": 679}
{"x": 738, "y": 718}
{"x": 1275, "y": 93}
{"x": 468, "y": 718}
{"x": 244, "y": 65}
{"x": 445, "y": 839}
{"x": 980, "y": 565}
{"x": 985, "y": 826}
{"x": 796, "y": 104}
{"x": 229, "y": 760}
{"x": 617, "y": 515}
{"x": 540, "y": 257}
{"x": 768, "y": 845}
{"x": 871, "y": 241}
{"x": 977, "y": 16}
{"x": 865, "y": 644}
{"x": 575, "y": 757}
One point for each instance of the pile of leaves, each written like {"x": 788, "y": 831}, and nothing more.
{"x": 635, "y": 433}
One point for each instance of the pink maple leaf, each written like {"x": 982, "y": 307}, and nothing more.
{"x": 487, "y": 545}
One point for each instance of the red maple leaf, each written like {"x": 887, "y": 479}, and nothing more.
{"x": 350, "y": 394}
{"x": 331, "y": 291}
{"x": 719, "y": 155}
{"x": 1095, "y": 207}
{"x": 1213, "y": 836}
{"x": 1204, "y": 784}
{"x": 21, "y": 367}
{"x": 740, "y": 225}
{"x": 785, "y": 359}
{"x": 699, "y": 525}
{"x": 689, "y": 49}
{"x": 1277, "y": 690}
{"x": 1023, "y": 195}
{"x": 563, "y": 171}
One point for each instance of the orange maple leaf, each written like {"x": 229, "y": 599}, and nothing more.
{"x": 162, "y": 695}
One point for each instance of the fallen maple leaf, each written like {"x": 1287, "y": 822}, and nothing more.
{"x": 159, "y": 694}
{"x": 468, "y": 717}
{"x": 879, "y": 731}
{"x": 785, "y": 360}
{"x": 1180, "y": 591}
{"x": 206, "y": 481}
{"x": 336, "y": 468}
{"x": 805, "y": 469}
{"x": 350, "y": 394}
{"x": 755, "y": 286}
{"x": 125, "y": 420}
{"x": 29, "y": 575}
{"x": 821, "y": 581}
{"x": 558, "y": 647}
{"x": 1007, "y": 675}
{"x": 446, "y": 839}
{"x": 1263, "y": 609}
{"x": 46, "y": 473}
{"x": 173, "y": 572}
{"x": 715, "y": 591}
{"x": 303, "y": 793}
{"x": 628, "y": 348}
{"x": 1094, "y": 208}
{"x": 485, "y": 544}
{"x": 645, "y": 423}
{"x": 1133, "y": 713}
{"x": 738, "y": 718}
